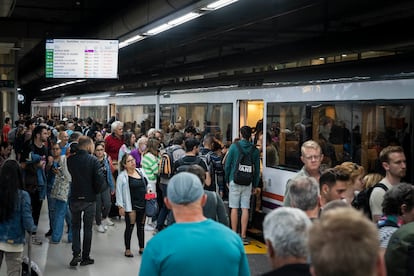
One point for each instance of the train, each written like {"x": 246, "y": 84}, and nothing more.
{"x": 356, "y": 117}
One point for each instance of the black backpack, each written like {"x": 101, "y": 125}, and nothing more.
{"x": 361, "y": 201}
{"x": 166, "y": 164}
{"x": 182, "y": 165}
{"x": 243, "y": 175}
{"x": 216, "y": 169}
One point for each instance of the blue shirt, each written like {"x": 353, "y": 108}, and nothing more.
{"x": 195, "y": 248}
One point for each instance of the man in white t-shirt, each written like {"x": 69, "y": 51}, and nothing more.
{"x": 393, "y": 160}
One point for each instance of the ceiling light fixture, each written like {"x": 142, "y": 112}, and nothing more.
{"x": 162, "y": 27}
{"x": 218, "y": 4}
{"x": 61, "y": 84}
{"x": 131, "y": 40}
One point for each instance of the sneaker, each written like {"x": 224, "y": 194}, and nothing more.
{"x": 49, "y": 233}
{"x": 87, "y": 261}
{"x": 100, "y": 228}
{"x": 54, "y": 242}
{"x": 36, "y": 241}
{"x": 148, "y": 227}
{"x": 109, "y": 222}
{"x": 245, "y": 241}
{"x": 106, "y": 227}
{"x": 75, "y": 261}
{"x": 155, "y": 232}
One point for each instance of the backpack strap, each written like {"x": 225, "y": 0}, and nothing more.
{"x": 143, "y": 176}
{"x": 380, "y": 185}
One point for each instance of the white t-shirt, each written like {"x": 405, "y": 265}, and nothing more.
{"x": 377, "y": 197}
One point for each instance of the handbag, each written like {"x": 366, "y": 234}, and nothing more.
{"x": 60, "y": 188}
{"x": 151, "y": 205}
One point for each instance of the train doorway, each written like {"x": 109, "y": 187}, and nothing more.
{"x": 251, "y": 114}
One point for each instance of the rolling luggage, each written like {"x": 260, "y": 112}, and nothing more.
{"x": 34, "y": 268}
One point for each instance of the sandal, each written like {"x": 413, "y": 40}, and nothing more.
{"x": 128, "y": 254}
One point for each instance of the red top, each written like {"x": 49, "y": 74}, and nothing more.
{"x": 112, "y": 145}
{"x": 6, "y": 129}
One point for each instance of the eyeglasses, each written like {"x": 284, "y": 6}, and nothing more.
{"x": 312, "y": 157}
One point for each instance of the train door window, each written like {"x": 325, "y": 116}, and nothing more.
{"x": 250, "y": 112}
{"x": 55, "y": 112}
{"x": 138, "y": 118}
{"x": 98, "y": 113}
{"x": 68, "y": 111}
{"x": 205, "y": 118}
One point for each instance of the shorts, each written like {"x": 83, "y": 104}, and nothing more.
{"x": 239, "y": 196}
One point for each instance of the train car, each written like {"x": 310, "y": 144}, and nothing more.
{"x": 352, "y": 119}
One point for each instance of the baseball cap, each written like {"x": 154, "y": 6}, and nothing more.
{"x": 184, "y": 188}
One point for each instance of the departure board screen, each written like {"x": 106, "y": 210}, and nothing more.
{"x": 81, "y": 58}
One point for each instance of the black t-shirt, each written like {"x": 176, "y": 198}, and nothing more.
{"x": 137, "y": 189}
{"x": 43, "y": 152}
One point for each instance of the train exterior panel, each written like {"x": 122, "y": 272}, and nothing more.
{"x": 353, "y": 119}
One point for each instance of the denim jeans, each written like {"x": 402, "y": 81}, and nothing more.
{"x": 102, "y": 200}
{"x": 164, "y": 211}
{"x": 61, "y": 211}
{"x": 51, "y": 206}
{"x": 88, "y": 209}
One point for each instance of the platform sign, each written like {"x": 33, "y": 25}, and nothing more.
{"x": 81, "y": 58}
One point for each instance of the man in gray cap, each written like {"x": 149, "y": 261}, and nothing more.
{"x": 189, "y": 246}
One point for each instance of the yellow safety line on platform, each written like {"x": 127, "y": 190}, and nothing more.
{"x": 255, "y": 247}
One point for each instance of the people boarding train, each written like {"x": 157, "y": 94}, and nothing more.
{"x": 330, "y": 189}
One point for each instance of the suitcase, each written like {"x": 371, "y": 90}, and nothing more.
{"x": 34, "y": 268}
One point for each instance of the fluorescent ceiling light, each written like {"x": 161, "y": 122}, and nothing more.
{"x": 218, "y": 4}
{"x": 61, "y": 84}
{"x": 197, "y": 12}
{"x": 182, "y": 19}
{"x": 130, "y": 41}
{"x": 159, "y": 29}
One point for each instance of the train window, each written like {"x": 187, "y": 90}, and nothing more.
{"x": 98, "y": 113}
{"x": 205, "y": 118}
{"x": 345, "y": 131}
{"x": 68, "y": 112}
{"x": 40, "y": 110}
{"x": 139, "y": 118}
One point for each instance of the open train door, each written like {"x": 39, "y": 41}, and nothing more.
{"x": 250, "y": 114}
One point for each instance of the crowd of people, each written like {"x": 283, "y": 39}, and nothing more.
{"x": 89, "y": 174}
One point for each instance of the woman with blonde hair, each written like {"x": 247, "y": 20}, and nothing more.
{"x": 371, "y": 179}
{"x": 356, "y": 173}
